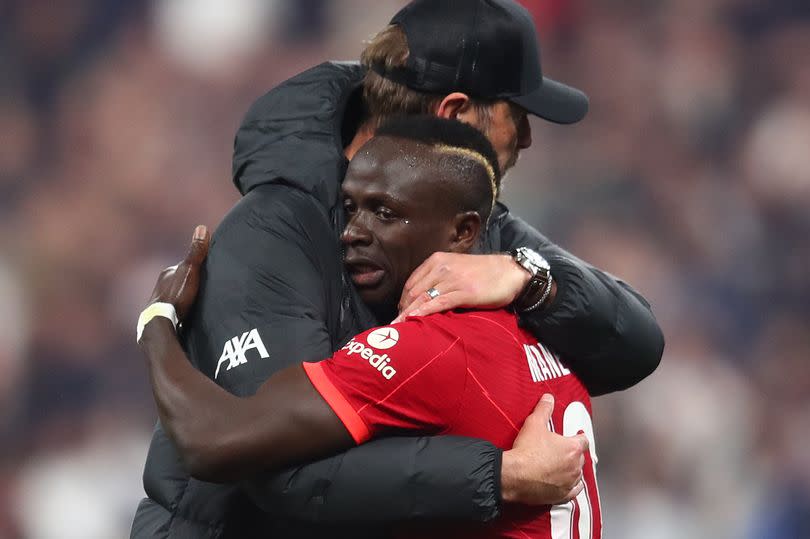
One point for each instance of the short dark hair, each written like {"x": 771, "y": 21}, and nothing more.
{"x": 468, "y": 153}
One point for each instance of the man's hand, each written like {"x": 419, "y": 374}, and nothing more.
{"x": 543, "y": 467}
{"x": 179, "y": 284}
{"x": 485, "y": 281}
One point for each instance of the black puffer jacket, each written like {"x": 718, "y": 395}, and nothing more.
{"x": 275, "y": 293}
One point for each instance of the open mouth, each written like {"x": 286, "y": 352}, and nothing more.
{"x": 364, "y": 273}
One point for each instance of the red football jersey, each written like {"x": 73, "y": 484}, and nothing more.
{"x": 474, "y": 374}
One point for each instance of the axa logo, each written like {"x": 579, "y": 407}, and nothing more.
{"x": 378, "y": 361}
{"x": 234, "y": 350}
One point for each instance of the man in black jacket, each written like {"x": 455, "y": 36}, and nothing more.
{"x": 275, "y": 291}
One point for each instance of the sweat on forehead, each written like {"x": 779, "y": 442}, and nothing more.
{"x": 460, "y": 173}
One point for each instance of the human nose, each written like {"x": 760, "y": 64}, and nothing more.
{"x": 356, "y": 231}
{"x": 524, "y": 134}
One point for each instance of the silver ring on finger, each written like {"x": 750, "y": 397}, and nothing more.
{"x": 432, "y": 293}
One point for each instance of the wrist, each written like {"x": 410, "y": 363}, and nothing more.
{"x": 510, "y": 477}
{"x": 156, "y": 340}
{"x": 538, "y": 298}
{"x": 539, "y": 285}
{"x": 529, "y": 295}
{"x": 517, "y": 274}
{"x": 156, "y": 311}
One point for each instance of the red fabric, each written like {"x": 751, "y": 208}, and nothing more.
{"x": 472, "y": 374}
{"x": 347, "y": 415}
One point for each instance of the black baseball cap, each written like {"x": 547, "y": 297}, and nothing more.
{"x": 485, "y": 48}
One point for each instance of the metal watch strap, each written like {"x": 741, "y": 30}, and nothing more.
{"x": 543, "y": 298}
{"x": 539, "y": 269}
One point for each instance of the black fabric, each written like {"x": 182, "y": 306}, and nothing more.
{"x": 485, "y": 48}
{"x": 292, "y": 134}
{"x": 275, "y": 266}
{"x": 603, "y": 329}
{"x": 293, "y": 496}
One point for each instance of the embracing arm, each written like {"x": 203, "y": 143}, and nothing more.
{"x": 433, "y": 476}
{"x": 222, "y": 437}
{"x": 602, "y": 327}
{"x": 436, "y": 476}
{"x": 605, "y": 330}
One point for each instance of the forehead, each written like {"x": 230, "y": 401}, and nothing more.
{"x": 396, "y": 166}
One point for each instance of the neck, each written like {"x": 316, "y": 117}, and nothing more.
{"x": 363, "y": 135}
{"x": 384, "y": 313}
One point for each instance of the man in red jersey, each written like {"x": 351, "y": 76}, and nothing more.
{"x": 420, "y": 186}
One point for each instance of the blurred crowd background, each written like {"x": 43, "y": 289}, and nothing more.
{"x": 690, "y": 179}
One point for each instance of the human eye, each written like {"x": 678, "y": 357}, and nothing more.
{"x": 384, "y": 214}
{"x": 349, "y": 206}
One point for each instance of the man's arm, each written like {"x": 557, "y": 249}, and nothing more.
{"x": 532, "y": 471}
{"x": 432, "y": 476}
{"x": 605, "y": 330}
{"x": 222, "y": 437}
{"x": 269, "y": 270}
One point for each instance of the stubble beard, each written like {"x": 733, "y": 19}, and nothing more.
{"x": 511, "y": 162}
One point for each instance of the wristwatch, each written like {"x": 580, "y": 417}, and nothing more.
{"x": 540, "y": 281}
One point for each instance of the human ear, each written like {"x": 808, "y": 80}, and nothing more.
{"x": 467, "y": 228}
{"x": 455, "y": 106}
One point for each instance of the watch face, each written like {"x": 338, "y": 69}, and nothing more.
{"x": 535, "y": 259}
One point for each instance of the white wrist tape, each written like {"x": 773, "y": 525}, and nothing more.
{"x": 166, "y": 310}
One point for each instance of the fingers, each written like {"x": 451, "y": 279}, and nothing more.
{"x": 487, "y": 281}
{"x": 537, "y": 422}
{"x": 574, "y": 492}
{"x": 425, "y": 276}
{"x": 199, "y": 246}
{"x": 179, "y": 284}
{"x": 426, "y": 306}
{"x": 584, "y": 443}
{"x": 541, "y": 415}
{"x": 408, "y": 307}
{"x": 409, "y": 293}
{"x": 544, "y": 408}
{"x": 197, "y": 252}
{"x": 420, "y": 272}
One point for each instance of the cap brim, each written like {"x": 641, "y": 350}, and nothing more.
{"x": 555, "y": 102}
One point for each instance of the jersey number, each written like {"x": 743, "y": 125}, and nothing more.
{"x": 581, "y": 518}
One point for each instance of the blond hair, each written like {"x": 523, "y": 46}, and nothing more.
{"x": 478, "y": 158}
